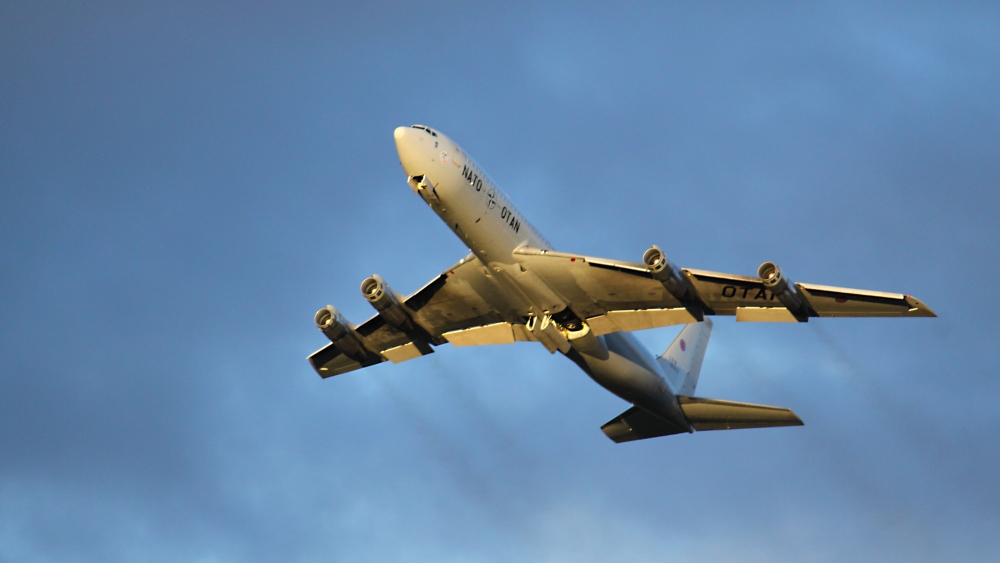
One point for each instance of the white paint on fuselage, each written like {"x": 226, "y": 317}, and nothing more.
{"x": 472, "y": 205}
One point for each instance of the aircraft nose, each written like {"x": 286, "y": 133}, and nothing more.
{"x": 409, "y": 145}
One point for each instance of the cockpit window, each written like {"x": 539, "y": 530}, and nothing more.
{"x": 428, "y": 129}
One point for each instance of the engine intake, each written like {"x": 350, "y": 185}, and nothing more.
{"x": 343, "y": 336}
{"x": 672, "y": 279}
{"x": 784, "y": 289}
{"x": 388, "y": 304}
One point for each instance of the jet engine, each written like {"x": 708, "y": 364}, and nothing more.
{"x": 669, "y": 275}
{"x": 343, "y": 336}
{"x": 387, "y": 303}
{"x": 784, "y": 289}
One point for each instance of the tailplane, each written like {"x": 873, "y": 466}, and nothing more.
{"x": 681, "y": 361}
{"x": 716, "y": 414}
{"x": 703, "y": 414}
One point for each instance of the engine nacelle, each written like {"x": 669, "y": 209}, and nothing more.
{"x": 784, "y": 289}
{"x": 387, "y": 303}
{"x": 667, "y": 274}
{"x": 335, "y": 327}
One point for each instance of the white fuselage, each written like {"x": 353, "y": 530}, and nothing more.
{"x": 471, "y": 204}
{"x": 482, "y": 216}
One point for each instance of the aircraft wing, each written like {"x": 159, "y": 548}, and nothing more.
{"x": 463, "y": 305}
{"x": 744, "y": 296}
{"x": 614, "y": 295}
{"x": 462, "y": 297}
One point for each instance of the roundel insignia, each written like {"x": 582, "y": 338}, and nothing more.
{"x": 684, "y": 346}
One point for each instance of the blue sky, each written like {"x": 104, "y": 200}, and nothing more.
{"x": 184, "y": 184}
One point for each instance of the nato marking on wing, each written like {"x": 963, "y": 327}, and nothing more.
{"x": 514, "y": 287}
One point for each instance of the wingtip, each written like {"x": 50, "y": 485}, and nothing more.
{"x": 917, "y": 308}
{"x": 797, "y": 421}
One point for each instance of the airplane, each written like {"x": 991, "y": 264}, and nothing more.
{"x": 515, "y": 287}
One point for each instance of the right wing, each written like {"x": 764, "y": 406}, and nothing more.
{"x": 462, "y": 306}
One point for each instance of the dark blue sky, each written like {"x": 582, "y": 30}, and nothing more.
{"x": 184, "y": 184}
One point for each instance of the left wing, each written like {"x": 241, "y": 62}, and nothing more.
{"x": 624, "y": 296}
{"x": 750, "y": 300}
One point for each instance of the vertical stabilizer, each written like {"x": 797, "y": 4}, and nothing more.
{"x": 681, "y": 362}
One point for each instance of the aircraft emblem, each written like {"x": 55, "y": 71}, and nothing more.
{"x": 444, "y": 157}
{"x": 492, "y": 199}
{"x": 684, "y": 346}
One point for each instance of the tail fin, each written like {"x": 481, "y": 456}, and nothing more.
{"x": 681, "y": 362}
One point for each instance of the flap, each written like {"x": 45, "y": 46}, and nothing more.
{"x": 640, "y": 319}
{"x": 497, "y": 333}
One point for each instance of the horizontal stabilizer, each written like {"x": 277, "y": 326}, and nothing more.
{"x": 637, "y": 424}
{"x": 714, "y": 414}
{"x": 703, "y": 414}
